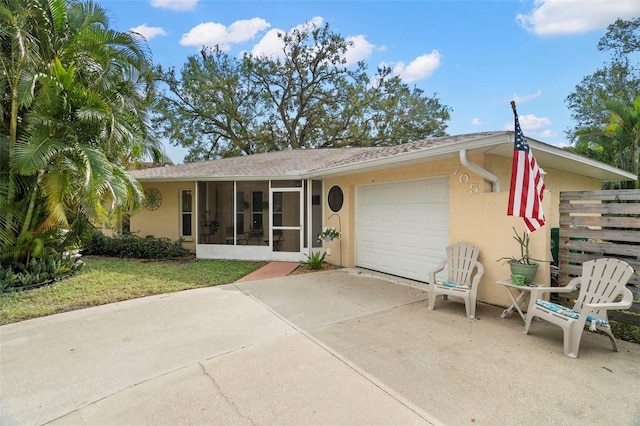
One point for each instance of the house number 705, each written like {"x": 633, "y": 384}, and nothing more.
{"x": 463, "y": 178}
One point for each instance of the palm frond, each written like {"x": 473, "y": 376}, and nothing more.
{"x": 35, "y": 151}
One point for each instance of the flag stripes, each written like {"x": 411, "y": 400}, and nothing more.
{"x": 527, "y": 186}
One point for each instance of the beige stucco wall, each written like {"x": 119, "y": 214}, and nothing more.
{"x": 478, "y": 216}
{"x": 165, "y": 221}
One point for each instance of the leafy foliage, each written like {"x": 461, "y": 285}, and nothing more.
{"x": 617, "y": 143}
{"x": 617, "y": 81}
{"x": 315, "y": 260}
{"x": 525, "y": 256}
{"x": 133, "y": 246}
{"x": 623, "y": 37}
{"x": 606, "y": 105}
{"x": 223, "y": 106}
{"x": 72, "y": 118}
{"x": 38, "y": 271}
{"x": 330, "y": 233}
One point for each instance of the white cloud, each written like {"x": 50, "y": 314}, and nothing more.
{"x": 360, "y": 50}
{"x": 246, "y": 29}
{"x": 548, "y": 134}
{"x": 476, "y": 122}
{"x": 526, "y": 98}
{"x": 315, "y": 22}
{"x": 271, "y": 45}
{"x": 214, "y": 34}
{"x": 563, "y": 144}
{"x": 177, "y": 5}
{"x": 421, "y": 67}
{"x": 557, "y": 17}
{"x": 529, "y": 122}
{"x": 149, "y": 32}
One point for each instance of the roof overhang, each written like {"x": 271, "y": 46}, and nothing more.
{"x": 552, "y": 157}
{"x": 491, "y": 143}
{"x": 547, "y": 156}
{"x": 221, "y": 178}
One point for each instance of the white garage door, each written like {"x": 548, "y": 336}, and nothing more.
{"x": 402, "y": 228}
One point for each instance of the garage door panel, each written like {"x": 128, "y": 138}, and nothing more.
{"x": 438, "y": 190}
{"x": 386, "y": 260}
{"x": 367, "y": 196}
{"x": 386, "y": 194}
{"x": 369, "y": 215}
{"x": 402, "y": 227}
{"x": 412, "y": 265}
{"x": 419, "y": 194}
{"x": 410, "y": 216}
{"x": 385, "y": 216}
{"x": 411, "y": 244}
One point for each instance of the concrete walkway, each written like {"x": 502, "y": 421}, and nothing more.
{"x": 338, "y": 347}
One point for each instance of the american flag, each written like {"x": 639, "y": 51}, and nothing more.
{"x": 527, "y": 186}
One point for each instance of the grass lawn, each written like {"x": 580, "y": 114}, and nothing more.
{"x": 108, "y": 280}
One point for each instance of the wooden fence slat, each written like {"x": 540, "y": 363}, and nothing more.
{"x": 603, "y": 234}
{"x": 604, "y": 248}
{"x": 569, "y": 301}
{"x": 612, "y": 195}
{"x": 573, "y": 270}
{"x": 583, "y": 215}
{"x": 608, "y": 221}
{"x": 579, "y": 258}
{"x": 601, "y": 208}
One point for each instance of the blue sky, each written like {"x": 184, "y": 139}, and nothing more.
{"x": 477, "y": 55}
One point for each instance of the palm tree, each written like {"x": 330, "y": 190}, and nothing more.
{"x": 616, "y": 143}
{"x": 624, "y": 128}
{"x": 75, "y": 115}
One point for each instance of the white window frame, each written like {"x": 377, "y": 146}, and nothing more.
{"x": 183, "y": 213}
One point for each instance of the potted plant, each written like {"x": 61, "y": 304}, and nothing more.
{"x": 329, "y": 234}
{"x": 524, "y": 265}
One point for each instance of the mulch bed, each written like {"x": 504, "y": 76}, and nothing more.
{"x": 305, "y": 270}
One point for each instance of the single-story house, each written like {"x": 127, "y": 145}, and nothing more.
{"x": 396, "y": 207}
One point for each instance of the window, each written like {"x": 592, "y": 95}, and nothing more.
{"x": 256, "y": 213}
{"x": 186, "y": 210}
{"x": 335, "y": 199}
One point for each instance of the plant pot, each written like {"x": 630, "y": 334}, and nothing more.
{"x": 528, "y": 271}
{"x": 328, "y": 239}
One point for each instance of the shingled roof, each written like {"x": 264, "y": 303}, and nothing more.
{"x": 319, "y": 163}
{"x": 297, "y": 162}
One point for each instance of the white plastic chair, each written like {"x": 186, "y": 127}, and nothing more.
{"x": 463, "y": 276}
{"x": 601, "y": 283}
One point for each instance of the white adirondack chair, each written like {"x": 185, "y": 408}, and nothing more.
{"x": 601, "y": 283}
{"x": 463, "y": 276}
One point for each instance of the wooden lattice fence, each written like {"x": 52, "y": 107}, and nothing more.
{"x": 596, "y": 224}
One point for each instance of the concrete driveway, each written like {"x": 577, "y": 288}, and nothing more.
{"x": 340, "y": 347}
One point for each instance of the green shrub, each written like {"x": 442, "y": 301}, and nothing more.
{"x": 38, "y": 271}
{"x": 315, "y": 260}
{"x": 133, "y": 246}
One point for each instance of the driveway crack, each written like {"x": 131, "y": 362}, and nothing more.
{"x": 225, "y": 396}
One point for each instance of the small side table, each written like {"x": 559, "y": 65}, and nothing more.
{"x": 517, "y": 294}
